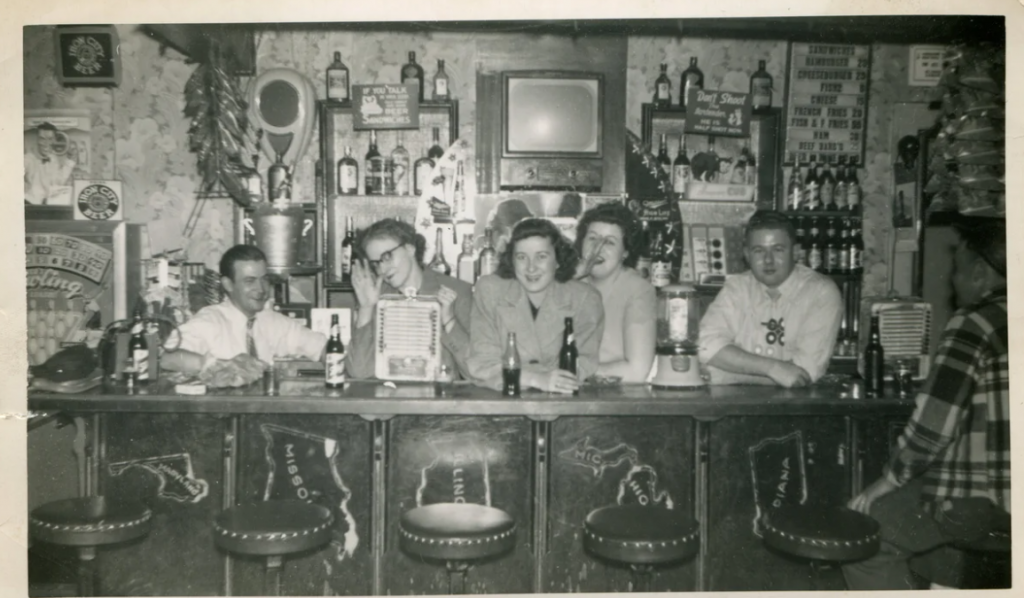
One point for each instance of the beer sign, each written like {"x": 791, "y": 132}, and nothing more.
{"x": 385, "y": 106}
{"x": 718, "y": 113}
{"x": 826, "y": 107}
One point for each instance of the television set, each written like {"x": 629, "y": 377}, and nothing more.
{"x": 551, "y": 129}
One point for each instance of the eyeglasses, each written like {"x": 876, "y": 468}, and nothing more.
{"x": 385, "y": 258}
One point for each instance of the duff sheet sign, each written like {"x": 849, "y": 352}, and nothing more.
{"x": 721, "y": 113}
{"x": 385, "y": 106}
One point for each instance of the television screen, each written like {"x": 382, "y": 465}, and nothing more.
{"x": 554, "y": 114}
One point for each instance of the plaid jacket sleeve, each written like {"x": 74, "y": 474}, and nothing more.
{"x": 944, "y": 401}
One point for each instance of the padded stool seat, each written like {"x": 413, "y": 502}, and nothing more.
{"x": 274, "y": 527}
{"x": 641, "y": 535}
{"x": 835, "y": 534}
{"x": 89, "y": 521}
{"x": 86, "y": 523}
{"x": 457, "y": 531}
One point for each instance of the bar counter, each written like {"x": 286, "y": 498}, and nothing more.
{"x": 372, "y": 451}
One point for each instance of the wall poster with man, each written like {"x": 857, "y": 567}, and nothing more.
{"x": 58, "y": 149}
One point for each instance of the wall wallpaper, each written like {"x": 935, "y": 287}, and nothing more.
{"x": 139, "y": 130}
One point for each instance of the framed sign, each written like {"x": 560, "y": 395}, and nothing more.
{"x": 87, "y": 56}
{"x": 719, "y": 113}
{"x": 827, "y": 103}
{"x": 58, "y": 150}
{"x": 385, "y": 106}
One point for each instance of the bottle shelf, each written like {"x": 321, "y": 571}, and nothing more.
{"x": 822, "y": 214}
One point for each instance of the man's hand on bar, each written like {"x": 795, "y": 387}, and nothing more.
{"x": 789, "y": 375}
{"x": 559, "y": 381}
{"x": 863, "y": 501}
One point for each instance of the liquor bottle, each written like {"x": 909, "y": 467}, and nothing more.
{"x": 844, "y": 247}
{"x": 568, "y": 355}
{"x": 663, "y": 89}
{"x": 800, "y": 246}
{"x": 664, "y": 162}
{"x": 831, "y": 247}
{"x": 661, "y": 264}
{"x": 488, "y": 261}
{"x": 839, "y": 194}
{"x": 347, "y": 245}
{"x": 438, "y": 263}
{"x": 816, "y": 254}
{"x": 400, "y": 168}
{"x": 750, "y": 163}
{"x": 348, "y": 174}
{"x": 812, "y": 190}
{"x": 278, "y": 183}
{"x": 738, "y": 175}
{"x": 374, "y": 168}
{"x": 138, "y": 349}
{"x": 760, "y": 89}
{"x": 413, "y": 73}
{"x": 337, "y": 80}
{"x": 842, "y": 345}
{"x": 465, "y": 266}
{"x": 421, "y": 174}
{"x": 436, "y": 151}
{"x": 874, "y": 363}
{"x": 795, "y": 188}
{"x": 511, "y": 367}
{"x": 856, "y": 250}
{"x": 852, "y": 190}
{"x": 828, "y": 189}
{"x": 643, "y": 263}
{"x": 334, "y": 357}
{"x": 441, "y": 81}
{"x": 681, "y": 170}
{"x": 692, "y": 77}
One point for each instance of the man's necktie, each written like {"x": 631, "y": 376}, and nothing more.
{"x": 250, "y": 341}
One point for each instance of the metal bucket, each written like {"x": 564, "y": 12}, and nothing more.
{"x": 276, "y": 229}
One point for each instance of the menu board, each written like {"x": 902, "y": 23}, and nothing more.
{"x": 826, "y": 108}
{"x": 385, "y": 106}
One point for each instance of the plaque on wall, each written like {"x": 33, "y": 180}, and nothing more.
{"x": 88, "y": 56}
{"x": 826, "y": 107}
{"x": 385, "y": 106}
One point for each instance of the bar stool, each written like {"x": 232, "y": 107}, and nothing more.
{"x": 87, "y": 523}
{"x": 273, "y": 529}
{"x": 641, "y": 537}
{"x": 458, "y": 534}
{"x": 989, "y": 561}
{"x": 821, "y": 535}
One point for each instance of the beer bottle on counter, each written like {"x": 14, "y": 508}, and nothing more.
{"x": 511, "y": 368}
{"x": 374, "y": 168}
{"x": 852, "y": 190}
{"x": 795, "y": 188}
{"x": 568, "y": 355}
{"x": 663, "y": 89}
{"x": 661, "y": 264}
{"x": 337, "y": 80}
{"x": 413, "y": 73}
{"x": 334, "y": 357}
{"x": 488, "y": 260}
{"x": 799, "y": 246}
{"x": 874, "y": 363}
{"x": 438, "y": 263}
{"x": 812, "y": 189}
{"x": 348, "y": 174}
{"x": 664, "y": 162}
{"x": 441, "y": 81}
{"x": 760, "y": 89}
{"x": 466, "y": 265}
{"x": 828, "y": 189}
{"x": 138, "y": 349}
{"x": 347, "y": 245}
{"x": 681, "y": 170}
{"x": 692, "y": 77}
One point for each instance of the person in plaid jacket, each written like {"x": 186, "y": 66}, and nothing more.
{"x": 949, "y": 478}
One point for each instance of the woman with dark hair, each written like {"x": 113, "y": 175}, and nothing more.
{"x": 608, "y": 237}
{"x": 390, "y": 261}
{"x": 531, "y": 294}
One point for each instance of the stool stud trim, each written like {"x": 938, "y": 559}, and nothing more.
{"x": 91, "y": 527}
{"x": 274, "y": 535}
{"x": 645, "y": 544}
{"x": 456, "y": 541}
{"x": 813, "y": 542}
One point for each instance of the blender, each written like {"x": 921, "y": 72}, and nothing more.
{"x": 678, "y": 319}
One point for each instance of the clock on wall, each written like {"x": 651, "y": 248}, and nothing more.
{"x": 88, "y": 56}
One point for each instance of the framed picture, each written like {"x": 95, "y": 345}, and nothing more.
{"x": 297, "y": 311}
{"x": 58, "y": 150}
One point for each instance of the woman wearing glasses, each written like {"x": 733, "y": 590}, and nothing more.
{"x": 391, "y": 261}
{"x": 531, "y": 295}
{"x": 608, "y": 237}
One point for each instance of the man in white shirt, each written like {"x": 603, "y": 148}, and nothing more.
{"x": 775, "y": 323}
{"x": 48, "y": 175}
{"x": 239, "y": 325}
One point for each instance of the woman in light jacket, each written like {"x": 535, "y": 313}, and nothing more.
{"x": 531, "y": 294}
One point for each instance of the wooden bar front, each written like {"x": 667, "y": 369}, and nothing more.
{"x": 371, "y": 452}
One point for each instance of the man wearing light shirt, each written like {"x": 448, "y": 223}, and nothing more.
{"x": 239, "y": 326}
{"x": 775, "y": 323}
